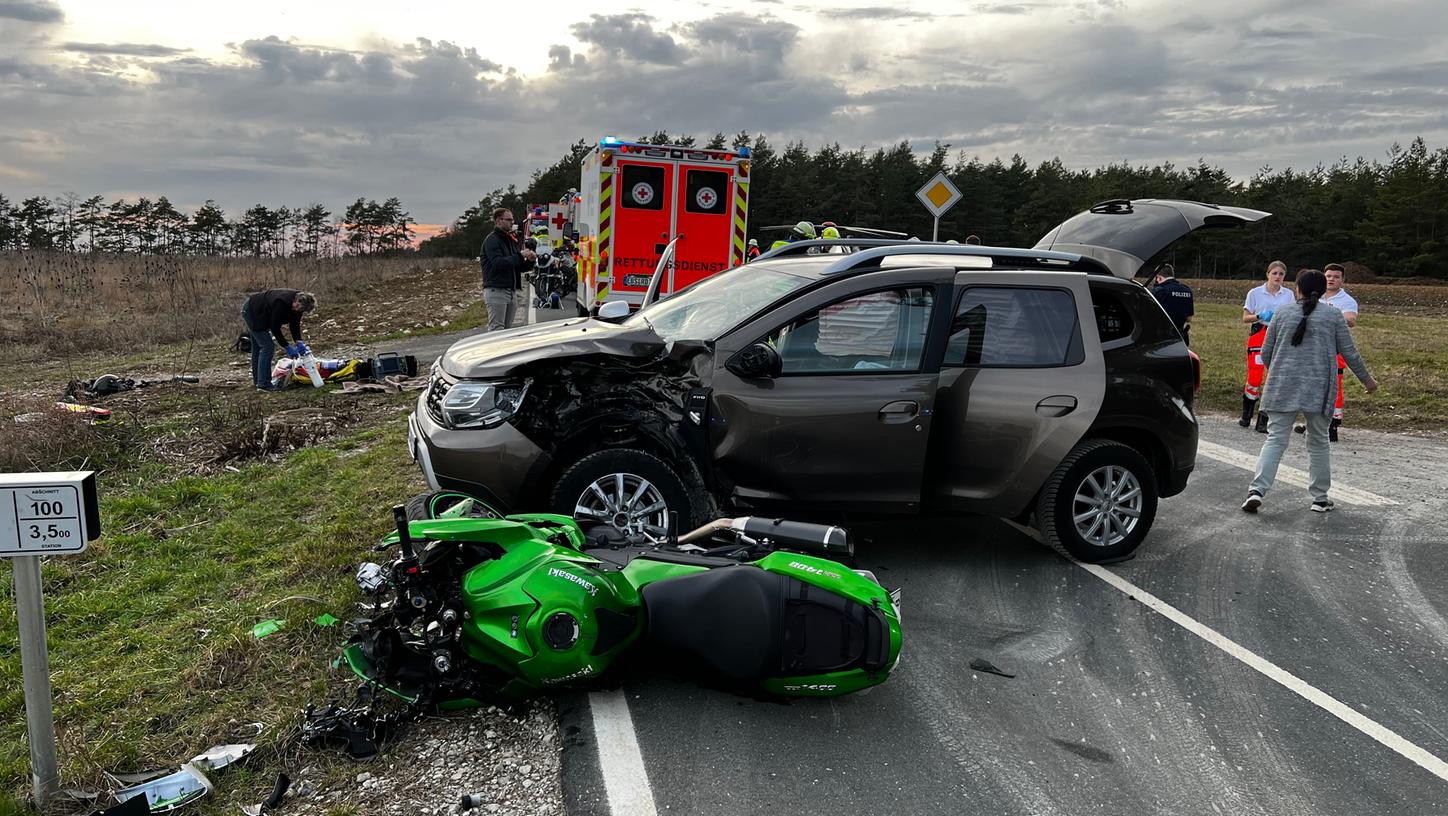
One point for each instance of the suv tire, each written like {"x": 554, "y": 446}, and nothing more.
{"x": 1098, "y": 469}
{"x": 644, "y": 475}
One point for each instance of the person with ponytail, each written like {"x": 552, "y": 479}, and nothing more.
{"x": 1300, "y": 355}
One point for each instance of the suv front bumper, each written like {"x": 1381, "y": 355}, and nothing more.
{"x": 498, "y": 465}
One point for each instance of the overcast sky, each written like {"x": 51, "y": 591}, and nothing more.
{"x": 439, "y": 102}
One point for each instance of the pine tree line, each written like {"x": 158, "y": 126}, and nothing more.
{"x": 70, "y": 224}
{"x": 1390, "y": 216}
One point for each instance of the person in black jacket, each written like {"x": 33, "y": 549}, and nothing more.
{"x": 1176, "y": 298}
{"x": 504, "y": 261}
{"x": 265, "y": 313}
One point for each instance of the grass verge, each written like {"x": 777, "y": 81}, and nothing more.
{"x": 1405, "y": 353}
{"x": 151, "y": 651}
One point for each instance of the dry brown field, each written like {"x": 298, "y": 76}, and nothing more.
{"x": 60, "y": 304}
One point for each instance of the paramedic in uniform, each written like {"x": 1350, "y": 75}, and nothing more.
{"x": 504, "y": 261}
{"x": 1257, "y": 313}
{"x": 1175, "y": 298}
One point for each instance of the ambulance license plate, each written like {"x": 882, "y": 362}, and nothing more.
{"x": 639, "y": 281}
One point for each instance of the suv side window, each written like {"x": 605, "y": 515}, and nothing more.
{"x": 1113, "y": 320}
{"x": 869, "y": 333}
{"x": 1014, "y": 326}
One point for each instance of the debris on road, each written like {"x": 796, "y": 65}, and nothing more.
{"x": 982, "y": 665}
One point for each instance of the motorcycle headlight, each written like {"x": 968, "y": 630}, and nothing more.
{"x": 482, "y": 404}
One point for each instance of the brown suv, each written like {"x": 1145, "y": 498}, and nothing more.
{"x": 893, "y": 378}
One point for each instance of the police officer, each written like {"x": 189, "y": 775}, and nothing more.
{"x": 1176, "y": 298}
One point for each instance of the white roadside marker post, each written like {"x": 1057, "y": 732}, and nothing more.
{"x": 42, "y": 514}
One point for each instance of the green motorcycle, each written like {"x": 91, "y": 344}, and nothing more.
{"x": 478, "y": 609}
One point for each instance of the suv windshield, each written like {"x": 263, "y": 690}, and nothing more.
{"x": 713, "y": 306}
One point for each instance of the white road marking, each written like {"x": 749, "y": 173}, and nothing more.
{"x": 619, "y": 760}
{"x": 1291, "y": 475}
{"x": 1281, "y": 676}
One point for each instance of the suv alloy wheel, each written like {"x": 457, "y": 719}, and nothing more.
{"x": 630, "y": 490}
{"x": 1099, "y": 503}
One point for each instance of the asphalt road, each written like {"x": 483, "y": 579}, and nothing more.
{"x": 1115, "y": 707}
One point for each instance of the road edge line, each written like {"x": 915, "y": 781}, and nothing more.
{"x": 620, "y": 762}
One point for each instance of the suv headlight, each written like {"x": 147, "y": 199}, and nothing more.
{"x": 481, "y": 404}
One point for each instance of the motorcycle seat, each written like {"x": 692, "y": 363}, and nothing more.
{"x": 726, "y": 620}
{"x": 747, "y": 624}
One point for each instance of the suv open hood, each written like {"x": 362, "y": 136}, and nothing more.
{"x": 496, "y": 354}
{"x": 1124, "y": 235}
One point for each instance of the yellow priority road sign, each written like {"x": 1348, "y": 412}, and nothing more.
{"x": 938, "y": 195}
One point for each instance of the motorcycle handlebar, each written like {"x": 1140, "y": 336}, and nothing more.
{"x": 404, "y": 535}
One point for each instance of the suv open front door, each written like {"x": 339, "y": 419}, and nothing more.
{"x": 1124, "y": 235}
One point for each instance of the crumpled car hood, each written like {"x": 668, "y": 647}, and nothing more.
{"x": 496, "y": 354}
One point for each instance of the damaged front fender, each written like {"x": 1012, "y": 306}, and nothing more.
{"x": 584, "y": 404}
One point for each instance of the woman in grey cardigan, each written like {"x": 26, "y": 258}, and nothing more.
{"x": 1300, "y": 355}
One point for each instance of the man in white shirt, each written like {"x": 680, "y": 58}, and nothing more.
{"x": 1338, "y": 298}
{"x": 1257, "y": 311}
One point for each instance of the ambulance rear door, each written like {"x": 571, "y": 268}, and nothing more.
{"x": 704, "y": 202}
{"x": 642, "y": 224}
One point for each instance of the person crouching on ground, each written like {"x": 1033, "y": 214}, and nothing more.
{"x": 265, "y": 313}
{"x": 504, "y": 260}
{"x": 1300, "y": 356}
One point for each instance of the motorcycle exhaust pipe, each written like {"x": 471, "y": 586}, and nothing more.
{"x": 816, "y": 539}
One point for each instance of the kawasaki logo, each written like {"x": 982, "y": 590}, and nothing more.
{"x": 554, "y": 572}
{"x": 813, "y": 570}
{"x": 586, "y": 671}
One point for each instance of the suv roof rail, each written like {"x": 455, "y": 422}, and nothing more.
{"x": 873, "y": 250}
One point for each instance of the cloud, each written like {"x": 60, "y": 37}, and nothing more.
{"x": 562, "y": 58}
{"x": 31, "y": 11}
{"x": 757, "y": 37}
{"x": 280, "y": 121}
{"x": 630, "y": 37}
{"x": 124, "y": 49}
{"x": 875, "y": 13}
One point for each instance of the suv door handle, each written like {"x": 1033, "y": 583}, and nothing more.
{"x": 899, "y": 411}
{"x": 1059, "y": 405}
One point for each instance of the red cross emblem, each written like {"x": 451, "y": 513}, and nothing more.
{"x": 558, "y": 220}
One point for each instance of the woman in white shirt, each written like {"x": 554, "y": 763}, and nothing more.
{"x": 1257, "y": 311}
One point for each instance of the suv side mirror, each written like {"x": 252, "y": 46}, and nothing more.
{"x": 753, "y": 362}
{"x": 613, "y": 311}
